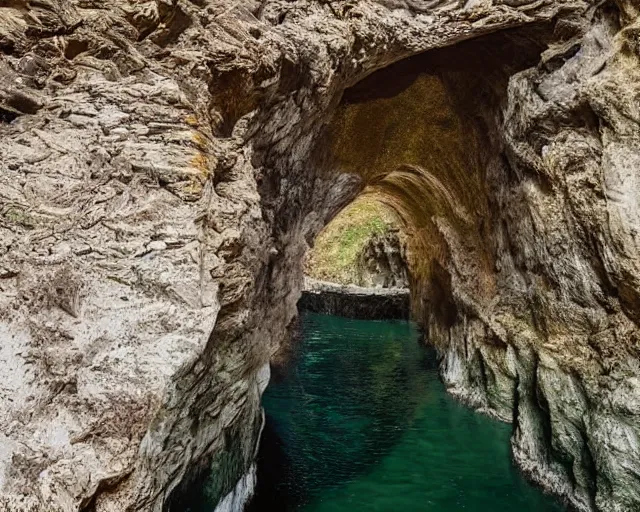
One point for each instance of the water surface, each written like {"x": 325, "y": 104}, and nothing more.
{"x": 360, "y": 422}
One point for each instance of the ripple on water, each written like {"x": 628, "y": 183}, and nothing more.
{"x": 361, "y": 422}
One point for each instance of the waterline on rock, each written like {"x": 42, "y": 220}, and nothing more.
{"x": 237, "y": 499}
{"x": 361, "y": 421}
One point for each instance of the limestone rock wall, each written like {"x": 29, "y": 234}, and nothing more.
{"x": 383, "y": 262}
{"x": 556, "y": 350}
{"x": 164, "y": 165}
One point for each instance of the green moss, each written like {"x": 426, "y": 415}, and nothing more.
{"x": 19, "y": 217}
{"x": 335, "y": 254}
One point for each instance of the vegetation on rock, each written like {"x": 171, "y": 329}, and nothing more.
{"x": 335, "y": 254}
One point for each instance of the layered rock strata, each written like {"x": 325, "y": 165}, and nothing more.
{"x": 355, "y": 301}
{"x": 165, "y": 164}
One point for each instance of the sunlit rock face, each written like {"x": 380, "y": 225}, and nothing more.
{"x": 383, "y": 261}
{"x": 364, "y": 245}
{"x": 165, "y": 165}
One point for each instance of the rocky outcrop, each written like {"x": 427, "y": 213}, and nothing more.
{"x": 355, "y": 301}
{"x": 165, "y": 165}
{"x": 383, "y": 262}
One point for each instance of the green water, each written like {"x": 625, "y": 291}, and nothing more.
{"x": 361, "y": 422}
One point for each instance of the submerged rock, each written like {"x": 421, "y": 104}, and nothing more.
{"x": 165, "y": 165}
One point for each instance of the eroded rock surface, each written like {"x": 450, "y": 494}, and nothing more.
{"x": 164, "y": 165}
{"x": 355, "y": 301}
{"x": 383, "y": 262}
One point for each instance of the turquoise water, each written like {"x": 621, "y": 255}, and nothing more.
{"x": 360, "y": 422}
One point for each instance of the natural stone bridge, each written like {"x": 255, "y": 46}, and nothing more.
{"x": 165, "y": 164}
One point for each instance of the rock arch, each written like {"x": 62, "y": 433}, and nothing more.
{"x": 165, "y": 164}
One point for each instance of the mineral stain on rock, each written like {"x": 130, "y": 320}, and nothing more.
{"x": 165, "y": 165}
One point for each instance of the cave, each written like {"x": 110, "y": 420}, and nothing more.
{"x": 158, "y": 205}
{"x": 441, "y": 140}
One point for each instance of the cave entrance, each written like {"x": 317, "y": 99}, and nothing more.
{"x": 424, "y": 137}
{"x": 357, "y": 267}
{"x": 421, "y": 138}
{"x": 364, "y": 245}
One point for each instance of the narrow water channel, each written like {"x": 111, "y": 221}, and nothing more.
{"x": 359, "y": 421}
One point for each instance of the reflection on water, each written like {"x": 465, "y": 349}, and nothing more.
{"x": 361, "y": 422}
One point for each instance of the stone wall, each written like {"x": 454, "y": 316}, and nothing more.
{"x": 383, "y": 262}
{"x": 355, "y": 301}
{"x": 165, "y": 164}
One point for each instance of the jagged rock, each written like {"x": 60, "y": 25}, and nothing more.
{"x": 231, "y": 133}
{"x": 383, "y": 262}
